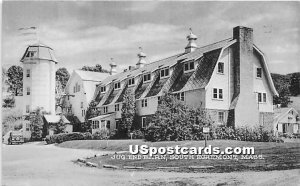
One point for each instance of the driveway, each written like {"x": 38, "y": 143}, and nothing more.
{"x": 42, "y": 165}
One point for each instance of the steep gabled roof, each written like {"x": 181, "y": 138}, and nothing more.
{"x": 91, "y": 76}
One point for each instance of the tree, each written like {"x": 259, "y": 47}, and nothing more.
{"x": 295, "y": 84}
{"x": 58, "y": 127}
{"x": 15, "y": 80}
{"x": 8, "y": 102}
{"x": 97, "y": 68}
{"x": 127, "y": 114}
{"x": 281, "y": 83}
{"x": 174, "y": 120}
{"x": 36, "y": 124}
{"x": 62, "y": 75}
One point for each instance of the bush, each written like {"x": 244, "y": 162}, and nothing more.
{"x": 256, "y": 134}
{"x": 137, "y": 134}
{"x": 100, "y": 135}
{"x": 59, "y": 138}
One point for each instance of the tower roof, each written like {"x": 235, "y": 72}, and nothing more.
{"x": 191, "y": 36}
{"x": 39, "y": 51}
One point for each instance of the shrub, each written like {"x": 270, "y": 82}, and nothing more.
{"x": 137, "y": 134}
{"x": 100, "y": 135}
{"x": 59, "y": 138}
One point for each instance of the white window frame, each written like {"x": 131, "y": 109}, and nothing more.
{"x": 223, "y": 116}
{"x": 28, "y": 91}
{"x": 143, "y": 122}
{"x": 105, "y": 109}
{"x": 117, "y": 85}
{"x": 117, "y": 107}
{"x": 189, "y": 66}
{"x": 165, "y": 72}
{"x": 262, "y": 96}
{"x": 131, "y": 81}
{"x": 148, "y": 75}
{"x": 223, "y": 67}
{"x": 102, "y": 89}
{"x": 144, "y": 103}
{"x": 261, "y": 72}
{"x": 219, "y": 92}
{"x": 28, "y": 73}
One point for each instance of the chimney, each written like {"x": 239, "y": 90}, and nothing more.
{"x": 130, "y": 67}
{"x": 191, "y": 46}
{"x": 243, "y": 73}
{"x": 141, "y": 63}
{"x": 113, "y": 66}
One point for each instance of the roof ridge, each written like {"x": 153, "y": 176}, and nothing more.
{"x": 214, "y": 43}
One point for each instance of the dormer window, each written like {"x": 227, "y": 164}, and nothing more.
{"x": 147, "y": 77}
{"x": 189, "y": 66}
{"x": 117, "y": 85}
{"x": 164, "y": 72}
{"x": 258, "y": 72}
{"x": 102, "y": 89}
{"x": 131, "y": 81}
{"x": 221, "y": 68}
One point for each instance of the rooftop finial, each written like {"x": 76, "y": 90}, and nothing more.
{"x": 113, "y": 66}
{"x": 191, "y": 45}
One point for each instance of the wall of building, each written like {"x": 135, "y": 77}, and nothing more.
{"x": 266, "y": 119}
{"x": 261, "y": 85}
{"x": 42, "y": 85}
{"x": 214, "y": 114}
{"x": 195, "y": 98}
{"x": 79, "y": 97}
{"x": 220, "y": 81}
{"x": 150, "y": 109}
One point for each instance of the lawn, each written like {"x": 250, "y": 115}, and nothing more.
{"x": 276, "y": 156}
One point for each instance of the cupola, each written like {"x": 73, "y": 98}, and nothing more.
{"x": 113, "y": 66}
{"x": 141, "y": 55}
{"x": 191, "y": 46}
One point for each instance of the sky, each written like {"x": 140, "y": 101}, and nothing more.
{"x": 90, "y": 33}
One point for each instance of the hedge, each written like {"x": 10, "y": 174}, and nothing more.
{"x": 59, "y": 138}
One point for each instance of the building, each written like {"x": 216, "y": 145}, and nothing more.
{"x": 38, "y": 78}
{"x": 53, "y": 120}
{"x": 286, "y": 120}
{"x": 230, "y": 79}
{"x": 80, "y": 90}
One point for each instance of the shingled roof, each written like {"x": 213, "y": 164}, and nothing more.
{"x": 205, "y": 56}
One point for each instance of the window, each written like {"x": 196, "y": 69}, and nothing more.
{"x": 28, "y": 90}
{"x": 131, "y": 81}
{"x": 83, "y": 113}
{"x": 117, "y": 107}
{"x": 117, "y": 85}
{"x": 78, "y": 90}
{"x": 221, "y": 67}
{"x": 258, "y": 72}
{"x": 108, "y": 124}
{"x": 81, "y": 105}
{"x": 27, "y": 108}
{"x": 102, "y": 89}
{"x": 220, "y": 117}
{"x": 105, "y": 109}
{"x": 31, "y": 54}
{"x": 147, "y": 77}
{"x": 28, "y": 73}
{"x": 164, "y": 72}
{"x": 95, "y": 124}
{"x": 262, "y": 97}
{"x": 144, "y": 103}
{"x": 159, "y": 99}
{"x": 217, "y": 93}
{"x": 27, "y": 126}
{"x": 189, "y": 66}
{"x": 74, "y": 89}
{"x": 180, "y": 96}
{"x": 143, "y": 122}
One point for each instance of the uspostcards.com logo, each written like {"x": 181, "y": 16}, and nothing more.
{"x": 177, "y": 150}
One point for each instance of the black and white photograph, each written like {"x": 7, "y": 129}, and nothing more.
{"x": 151, "y": 93}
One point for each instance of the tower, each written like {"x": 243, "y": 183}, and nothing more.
{"x": 38, "y": 78}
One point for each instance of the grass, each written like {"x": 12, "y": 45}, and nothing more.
{"x": 276, "y": 156}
